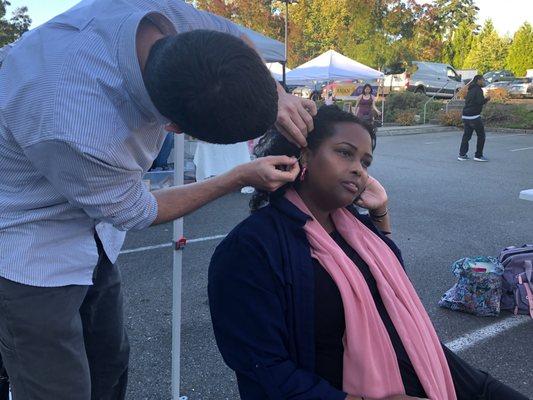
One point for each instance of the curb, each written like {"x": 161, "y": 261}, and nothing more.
{"x": 419, "y": 130}
{"x": 509, "y": 130}
{"x": 414, "y": 130}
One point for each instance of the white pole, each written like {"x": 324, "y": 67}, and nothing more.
{"x": 286, "y": 26}
{"x": 382, "y": 100}
{"x": 179, "y": 148}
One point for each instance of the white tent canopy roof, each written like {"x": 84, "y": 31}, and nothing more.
{"x": 332, "y": 66}
{"x": 276, "y": 69}
{"x": 271, "y": 50}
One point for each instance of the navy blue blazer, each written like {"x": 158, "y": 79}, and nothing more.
{"x": 261, "y": 295}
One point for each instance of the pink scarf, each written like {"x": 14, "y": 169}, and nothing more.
{"x": 370, "y": 364}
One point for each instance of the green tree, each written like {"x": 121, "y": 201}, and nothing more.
{"x": 259, "y": 15}
{"x": 11, "y": 29}
{"x": 458, "y": 48}
{"x": 520, "y": 56}
{"x": 489, "y": 50}
{"x": 451, "y": 13}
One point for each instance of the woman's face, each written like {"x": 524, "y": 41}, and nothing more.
{"x": 368, "y": 89}
{"x": 337, "y": 171}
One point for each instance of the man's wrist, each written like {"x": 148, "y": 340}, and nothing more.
{"x": 236, "y": 178}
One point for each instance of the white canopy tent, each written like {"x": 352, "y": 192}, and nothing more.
{"x": 276, "y": 69}
{"x": 331, "y": 66}
{"x": 272, "y": 51}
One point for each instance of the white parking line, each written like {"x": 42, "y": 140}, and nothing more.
{"x": 460, "y": 344}
{"x": 471, "y": 339}
{"x": 523, "y": 148}
{"x": 163, "y": 245}
{"x": 499, "y": 135}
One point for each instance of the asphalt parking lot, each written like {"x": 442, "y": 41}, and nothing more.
{"x": 442, "y": 210}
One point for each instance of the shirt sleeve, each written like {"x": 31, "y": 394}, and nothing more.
{"x": 104, "y": 191}
{"x": 249, "y": 322}
{"x": 183, "y": 14}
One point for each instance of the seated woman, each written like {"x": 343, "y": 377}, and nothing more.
{"x": 309, "y": 299}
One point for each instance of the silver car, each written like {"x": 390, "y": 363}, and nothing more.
{"x": 432, "y": 79}
{"x": 521, "y": 87}
{"x": 496, "y": 85}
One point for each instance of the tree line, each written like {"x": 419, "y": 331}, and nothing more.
{"x": 385, "y": 34}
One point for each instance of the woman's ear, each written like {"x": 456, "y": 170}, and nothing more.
{"x": 304, "y": 156}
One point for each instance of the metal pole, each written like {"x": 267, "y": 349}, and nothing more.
{"x": 286, "y": 27}
{"x": 177, "y": 234}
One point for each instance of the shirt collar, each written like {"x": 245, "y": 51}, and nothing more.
{"x": 129, "y": 64}
{"x": 284, "y": 206}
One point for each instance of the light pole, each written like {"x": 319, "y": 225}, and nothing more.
{"x": 287, "y": 2}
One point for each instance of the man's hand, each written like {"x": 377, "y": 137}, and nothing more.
{"x": 295, "y": 117}
{"x": 268, "y": 173}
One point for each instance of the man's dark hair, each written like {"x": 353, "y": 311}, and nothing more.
{"x": 212, "y": 85}
{"x": 475, "y": 80}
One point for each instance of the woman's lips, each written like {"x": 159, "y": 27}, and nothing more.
{"x": 351, "y": 187}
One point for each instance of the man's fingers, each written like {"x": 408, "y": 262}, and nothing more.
{"x": 288, "y": 129}
{"x": 310, "y": 106}
{"x": 306, "y": 118}
{"x": 281, "y": 177}
{"x": 281, "y": 160}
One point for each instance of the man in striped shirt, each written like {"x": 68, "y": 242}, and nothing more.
{"x": 83, "y": 102}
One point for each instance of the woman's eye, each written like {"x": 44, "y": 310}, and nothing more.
{"x": 345, "y": 153}
{"x": 366, "y": 163}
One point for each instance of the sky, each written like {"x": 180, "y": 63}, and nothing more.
{"x": 507, "y": 15}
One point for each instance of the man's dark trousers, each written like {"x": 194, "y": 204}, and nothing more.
{"x": 66, "y": 343}
{"x": 472, "y": 125}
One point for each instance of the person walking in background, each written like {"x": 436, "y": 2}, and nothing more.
{"x": 474, "y": 102}
{"x": 365, "y": 104}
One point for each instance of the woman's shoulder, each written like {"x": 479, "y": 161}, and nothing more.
{"x": 259, "y": 229}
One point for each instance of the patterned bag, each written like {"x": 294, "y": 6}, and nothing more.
{"x": 478, "y": 289}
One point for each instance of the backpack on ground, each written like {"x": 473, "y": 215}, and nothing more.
{"x": 517, "y": 284}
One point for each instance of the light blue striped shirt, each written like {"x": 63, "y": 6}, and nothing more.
{"x": 77, "y": 133}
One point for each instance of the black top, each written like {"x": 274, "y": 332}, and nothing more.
{"x": 474, "y": 101}
{"x": 330, "y": 326}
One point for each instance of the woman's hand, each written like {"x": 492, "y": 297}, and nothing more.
{"x": 374, "y": 197}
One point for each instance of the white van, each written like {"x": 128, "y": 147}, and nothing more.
{"x": 424, "y": 77}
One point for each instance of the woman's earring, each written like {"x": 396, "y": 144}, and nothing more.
{"x": 302, "y": 175}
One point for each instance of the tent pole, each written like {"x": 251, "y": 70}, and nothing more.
{"x": 177, "y": 234}
{"x": 382, "y": 101}
{"x": 283, "y": 64}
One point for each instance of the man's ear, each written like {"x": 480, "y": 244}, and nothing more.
{"x": 172, "y": 127}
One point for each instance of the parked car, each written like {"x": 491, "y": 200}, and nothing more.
{"x": 432, "y": 79}
{"x": 496, "y": 85}
{"x": 521, "y": 87}
{"x": 309, "y": 92}
{"x": 348, "y": 90}
{"x": 498, "y": 76}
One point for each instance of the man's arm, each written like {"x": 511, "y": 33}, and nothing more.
{"x": 176, "y": 202}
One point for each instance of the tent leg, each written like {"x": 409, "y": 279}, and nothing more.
{"x": 382, "y": 103}
{"x": 179, "y": 146}
{"x": 283, "y": 64}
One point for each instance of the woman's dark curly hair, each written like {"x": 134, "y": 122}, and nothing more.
{"x": 274, "y": 143}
